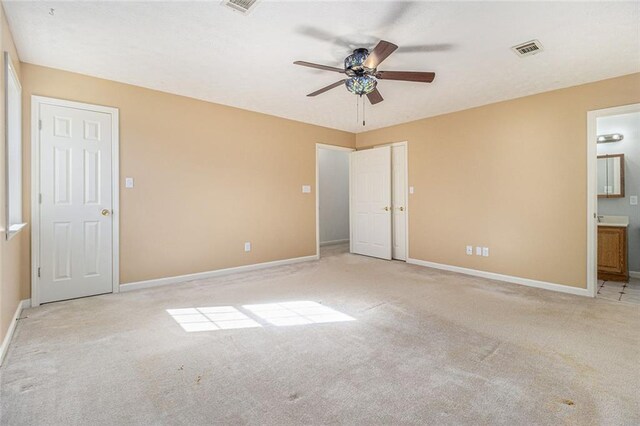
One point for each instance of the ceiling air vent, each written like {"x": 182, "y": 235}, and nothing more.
{"x": 527, "y": 49}
{"x": 244, "y": 6}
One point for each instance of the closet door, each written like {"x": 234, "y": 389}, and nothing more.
{"x": 76, "y": 203}
{"x": 371, "y": 202}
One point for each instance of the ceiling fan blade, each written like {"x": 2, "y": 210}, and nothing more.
{"x": 322, "y": 35}
{"x": 327, "y": 88}
{"x": 420, "y": 77}
{"x": 379, "y": 54}
{"x": 317, "y": 66}
{"x": 375, "y": 97}
{"x": 426, "y": 48}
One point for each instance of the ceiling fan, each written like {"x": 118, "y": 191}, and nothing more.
{"x": 361, "y": 69}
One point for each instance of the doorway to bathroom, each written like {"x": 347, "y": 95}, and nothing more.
{"x": 614, "y": 188}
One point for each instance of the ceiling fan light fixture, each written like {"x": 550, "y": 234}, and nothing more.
{"x": 362, "y": 75}
{"x": 362, "y": 85}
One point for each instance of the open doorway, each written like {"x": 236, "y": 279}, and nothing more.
{"x": 614, "y": 169}
{"x": 332, "y": 198}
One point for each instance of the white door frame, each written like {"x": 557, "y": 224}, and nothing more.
{"x": 36, "y": 101}
{"x": 592, "y": 189}
{"x": 406, "y": 189}
{"x": 335, "y": 148}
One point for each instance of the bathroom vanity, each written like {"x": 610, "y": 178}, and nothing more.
{"x": 612, "y": 248}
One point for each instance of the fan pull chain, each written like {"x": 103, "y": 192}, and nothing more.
{"x": 358, "y": 98}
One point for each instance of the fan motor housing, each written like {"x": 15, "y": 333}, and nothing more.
{"x": 353, "y": 64}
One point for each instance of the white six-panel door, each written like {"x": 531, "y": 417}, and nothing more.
{"x": 399, "y": 200}
{"x": 75, "y": 203}
{"x": 371, "y": 202}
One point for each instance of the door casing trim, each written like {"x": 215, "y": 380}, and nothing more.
{"x": 36, "y": 102}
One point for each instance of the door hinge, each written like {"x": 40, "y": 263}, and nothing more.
{"x": 39, "y": 124}
{"x": 40, "y": 198}
{"x": 38, "y": 272}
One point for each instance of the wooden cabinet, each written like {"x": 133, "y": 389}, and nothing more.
{"x": 612, "y": 253}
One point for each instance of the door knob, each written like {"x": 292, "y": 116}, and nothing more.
{"x": 401, "y": 209}
{"x": 105, "y": 212}
{"x": 386, "y": 209}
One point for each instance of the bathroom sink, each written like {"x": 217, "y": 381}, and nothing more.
{"x": 622, "y": 221}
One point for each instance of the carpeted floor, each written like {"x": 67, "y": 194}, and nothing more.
{"x": 426, "y": 347}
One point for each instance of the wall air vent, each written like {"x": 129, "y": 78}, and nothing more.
{"x": 243, "y": 6}
{"x": 527, "y": 49}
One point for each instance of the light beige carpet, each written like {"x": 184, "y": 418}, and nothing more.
{"x": 426, "y": 347}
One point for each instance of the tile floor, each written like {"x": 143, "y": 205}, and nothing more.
{"x": 620, "y": 291}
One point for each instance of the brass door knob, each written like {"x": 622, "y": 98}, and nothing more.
{"x": 401, "y": 209}
{"x": 105, "y": 212}
{"x": 386, "y": 209}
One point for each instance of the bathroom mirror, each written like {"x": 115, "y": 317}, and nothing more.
{"x": 611, "y": 176}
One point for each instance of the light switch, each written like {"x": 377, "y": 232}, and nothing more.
{"x": 128, "y": 182}
{"x": 247, "y": 246}
{"x": 411, "y": 190}
{"x": 306, "y": 189}
{"x": 633, "y": 200}
{"x": 478, "y": 251}
{"x": 485, "y": 251}
{"x": 470, "y": 250}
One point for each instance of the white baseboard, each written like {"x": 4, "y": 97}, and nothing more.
{"x": 506, "y": 278}
{"x": 24, "y": 304}
{"x": 333, "y": 242}
{"x": 634, "y": 274}
{"x": 210, "y": 274}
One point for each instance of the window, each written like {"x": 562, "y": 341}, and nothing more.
{"x": 13, "y": 148}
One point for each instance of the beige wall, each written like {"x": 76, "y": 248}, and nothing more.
{"x": 510, "y": 176}
{"x": 207, "y": 177}
{"x": 13, "y": 266}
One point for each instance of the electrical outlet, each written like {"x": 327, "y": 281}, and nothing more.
{"x": 411, "y": 190}
{"x": 128, "y": 182}
{"x": 485, "y": 251}
{"x": 478, "y": 251}
{"x": 469, "y": 250}
{"x": 306, "y": 189}
{"x": 247, "y": 246}
{"x": 633, "y": 200}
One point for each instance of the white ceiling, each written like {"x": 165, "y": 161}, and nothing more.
{"x": 206, "y": 51}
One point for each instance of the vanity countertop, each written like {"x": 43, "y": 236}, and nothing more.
{"x": 619, "y": 221}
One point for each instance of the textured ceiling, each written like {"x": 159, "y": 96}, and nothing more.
{"x": 204, "y": 50}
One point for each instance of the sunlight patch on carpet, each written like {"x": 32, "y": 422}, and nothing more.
{"x": 212, "y": 318}
{"x": 296, "y": 313}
